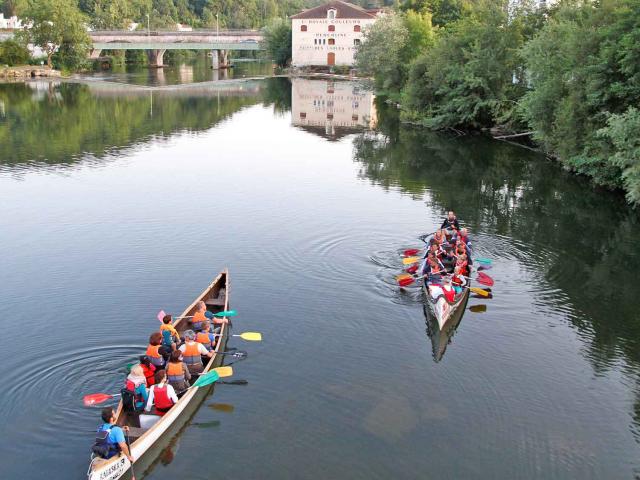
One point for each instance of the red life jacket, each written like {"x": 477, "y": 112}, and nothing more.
{"x": 129, "y": 385}
{"x": 449, "y": 293}
{"x": 456, "y": 280}
{"x": 161, "y": 399}
{"x": 435, "y": 270}
{"x": 149, "y": 373}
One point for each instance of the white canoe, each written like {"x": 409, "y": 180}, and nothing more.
{"x": 144, "y": 440}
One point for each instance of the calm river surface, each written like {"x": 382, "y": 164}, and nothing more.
{"x": 116, "y": 202}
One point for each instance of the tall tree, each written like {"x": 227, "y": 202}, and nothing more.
{"x": 58, "y": 25}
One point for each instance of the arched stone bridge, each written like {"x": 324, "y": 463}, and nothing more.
{"x": 158, "y": 42}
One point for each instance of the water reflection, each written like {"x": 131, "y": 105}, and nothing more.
{"x": 331, "y": 109}
{"x": 579, "y": 243}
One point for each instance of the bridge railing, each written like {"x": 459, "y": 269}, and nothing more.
{"x": 144, "y": 33}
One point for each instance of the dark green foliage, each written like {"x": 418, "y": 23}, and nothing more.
{"x": 13, "y": 53}
{"x": 467, "y": 79}
{"x": 277, "y": 38}
{"x": 584, "y": 66}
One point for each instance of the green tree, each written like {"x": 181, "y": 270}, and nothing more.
{"x": 467, "y": 79}
{"x": 443, "y": 11}
{"x": 277, "y": 38}
{"x": 12, "y": 7}
{"x": 13, "y": 52}
{"x": 584, "y": 66}
{"x": 111, "y": 14}
{"x": 58, "y": 25}
{"x": 380, "y": 53}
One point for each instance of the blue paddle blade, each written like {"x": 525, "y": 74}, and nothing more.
{"x": 206, "y": 379}
{"x": 483, "y": 260}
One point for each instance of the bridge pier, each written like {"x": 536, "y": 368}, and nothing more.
{"x": 155, "y": 57}
{"x": 219, "y": 59}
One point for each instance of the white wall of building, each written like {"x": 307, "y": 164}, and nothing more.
{"x": 312, "y": 47}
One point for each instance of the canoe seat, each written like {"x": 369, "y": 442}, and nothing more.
{"x": 219, "y": 301}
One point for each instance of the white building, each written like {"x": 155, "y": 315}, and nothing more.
{"x": 331, "y": 109}
{"x": 11, "y": 23}
{"x": 328, "y": 34}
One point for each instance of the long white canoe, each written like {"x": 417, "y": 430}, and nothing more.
{"x": 146, "y": 443}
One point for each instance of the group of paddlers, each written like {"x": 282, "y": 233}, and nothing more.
{"x": 162, "y": 375}
{"x": 446, "y": 263}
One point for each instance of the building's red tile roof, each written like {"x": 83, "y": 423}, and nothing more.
{"x": 343, "y": 10}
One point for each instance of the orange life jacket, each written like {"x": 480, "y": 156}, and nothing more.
{"x": 203, "y": 337}
{"x": 198, "y": 319}
{"x": 175, "y": 372}
{"x": 191, "y": 354}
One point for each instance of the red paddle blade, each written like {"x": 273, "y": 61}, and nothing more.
{"x": 96, "y": 398}
{"x": 412, "y": 269}
{"x": 411, "y": 252}
{"x": 485, "y": 279}
{"x": 405, "y": 282}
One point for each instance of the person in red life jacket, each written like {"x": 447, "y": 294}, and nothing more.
{"x": 458, "y": 280}
{"x": 136, "y": 383}
{"x": 153, "y": 350}
{"x": 162, "y": 396}
{"x": 192, "y": 352}
{"x": 177, "y": 372}
{"x": 148, "y": 369}
{"x": 448, "y": 290}
{"x": 206, "y": 338}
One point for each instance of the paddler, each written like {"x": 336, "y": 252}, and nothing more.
{"x": 450, "y": 223}
{"x": 110, "y": 439}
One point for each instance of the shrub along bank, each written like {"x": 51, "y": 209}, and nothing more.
{"x": 570, "y": 74}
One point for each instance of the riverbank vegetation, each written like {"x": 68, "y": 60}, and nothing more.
{"x": 570, "y": 75}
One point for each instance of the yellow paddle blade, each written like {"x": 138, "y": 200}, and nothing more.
{"x": 224, "y": 371}
{"x": 410, "y": 260}
{"x": 479, "y": 291}
{"x": 251, "y": 336}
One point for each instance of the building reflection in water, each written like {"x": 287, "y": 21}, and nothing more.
{"x": 331, "y": 108}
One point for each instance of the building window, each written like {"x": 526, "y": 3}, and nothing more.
{"x": 356, "y": 41}
{"x": 332, "y": 41}
{"x": 331, "y": 14}
{"x": 332, "y": 28}
{"x": 303, "y": 115}
{"x": 354, "y": 117}
{"x": 303, "y": 28}
{"x": 329, "y": 116}
{"x": 356, "y": 28}
{"x": 324, "y": 41}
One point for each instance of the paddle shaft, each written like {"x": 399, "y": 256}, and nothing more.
{"x": 133, "y": 474}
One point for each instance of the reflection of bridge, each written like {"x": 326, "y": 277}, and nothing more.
{"x": 156, "y": 43}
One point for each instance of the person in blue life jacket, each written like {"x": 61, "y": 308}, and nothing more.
{"x": 110, "y": 439}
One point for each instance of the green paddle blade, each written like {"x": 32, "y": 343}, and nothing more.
{"x": 228, "y": 313}
{"x": 206, "y": 379}
{"x": 486, "y": 261}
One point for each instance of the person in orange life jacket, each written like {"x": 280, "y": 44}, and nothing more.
{"x": 162, "y": 396}
{"x": 461, "y": 262}
{"x": 148, "y": 369}
{"x": 111, "y": 436}
{"x": 177, "y": 372}
{"x": 136, "y": 382}
{"x": 193, "y": 351}
{"x": 447, "y": 288}
{"x": 153, "y": 350}
{"x": 170, "y": 336}
{"x": 206, "y": 338}
{"x": 201, "y": 314}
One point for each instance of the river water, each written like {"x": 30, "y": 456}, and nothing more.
{"x": 117, "y": 201}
